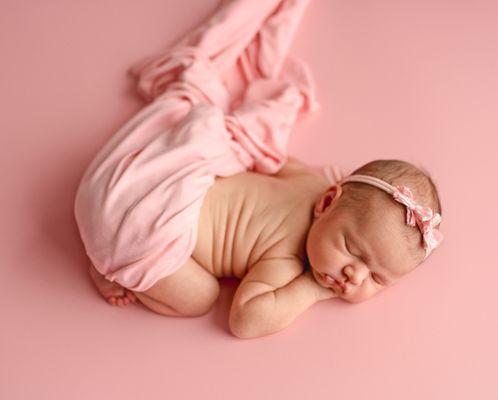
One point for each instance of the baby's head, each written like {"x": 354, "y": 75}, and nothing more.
{"x": 360, "y": 236}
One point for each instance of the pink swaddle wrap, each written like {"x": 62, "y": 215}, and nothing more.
{"x": 138, "y": 203}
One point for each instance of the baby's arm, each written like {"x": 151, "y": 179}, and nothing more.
{"x": 272, "y": 294}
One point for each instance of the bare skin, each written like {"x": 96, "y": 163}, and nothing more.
{"x": 115, "y": 294}
{"x": 245, "y": 217}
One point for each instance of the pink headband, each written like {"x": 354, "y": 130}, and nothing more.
{"x": 416, "y": 215}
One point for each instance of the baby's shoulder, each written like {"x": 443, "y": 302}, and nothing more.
{"x": 293, "y": 167}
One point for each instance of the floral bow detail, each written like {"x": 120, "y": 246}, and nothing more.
{"x": 421, "y": 216}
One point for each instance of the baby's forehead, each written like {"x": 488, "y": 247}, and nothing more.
{"x": 368, "y": 216}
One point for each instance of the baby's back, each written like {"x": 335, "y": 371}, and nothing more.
{"x": 248, "y": 216}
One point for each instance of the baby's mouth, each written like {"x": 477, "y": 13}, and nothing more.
{"x": 335, "y": 284}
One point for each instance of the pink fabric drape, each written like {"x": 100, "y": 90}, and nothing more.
{"x": 138, "y": 203}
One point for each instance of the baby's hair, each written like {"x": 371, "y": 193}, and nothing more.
{"x": 366, "y": 198}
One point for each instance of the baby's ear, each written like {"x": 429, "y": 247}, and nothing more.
{"x": 327, "y": 199}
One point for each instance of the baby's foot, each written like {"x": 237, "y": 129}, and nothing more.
{"x": 114, "y": 293}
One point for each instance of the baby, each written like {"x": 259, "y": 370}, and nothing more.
{"x": 293, "y": 239}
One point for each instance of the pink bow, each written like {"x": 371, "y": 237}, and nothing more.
{"x": 421, "y": 216}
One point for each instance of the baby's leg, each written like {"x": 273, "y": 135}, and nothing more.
{"x": 114, "y": 293}
{"x": 188, "y": 292}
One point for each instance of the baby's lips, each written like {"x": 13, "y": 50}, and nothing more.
{"x": 333, "y": 282}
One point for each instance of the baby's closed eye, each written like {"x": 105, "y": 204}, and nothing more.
{"x": 381, "y": 279}
{"x": 377, "y": 279}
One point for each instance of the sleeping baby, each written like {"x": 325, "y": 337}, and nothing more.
{"x": 197, "y": 186}
{"x": 297, "y": 237}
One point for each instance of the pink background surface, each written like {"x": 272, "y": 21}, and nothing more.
{"x": 396, "y": 79}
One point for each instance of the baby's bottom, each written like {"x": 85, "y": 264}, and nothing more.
{"x": 190, "y": 291}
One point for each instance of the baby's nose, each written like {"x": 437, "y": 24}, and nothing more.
{"x": 355, "y": 275}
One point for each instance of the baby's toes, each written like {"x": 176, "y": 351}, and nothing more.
{"x": 130, "y": 296}
{"x": 111, "y": 300}
{"x": 123, "y": 301}
{"x": 118, "y": 301}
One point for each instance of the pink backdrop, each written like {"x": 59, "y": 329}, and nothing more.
{"x": 415, "y": 80}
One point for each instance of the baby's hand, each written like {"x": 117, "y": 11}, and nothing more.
{"x": 322, "y": 293}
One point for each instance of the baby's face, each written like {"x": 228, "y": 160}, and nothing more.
{"x": 365, "y": 254}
